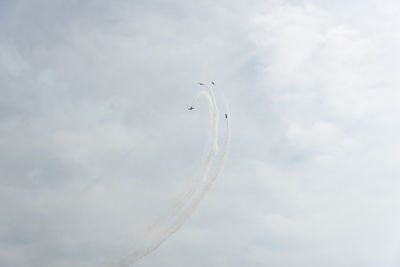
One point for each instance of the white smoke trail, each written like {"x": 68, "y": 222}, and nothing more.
{"x": 182, "y": 200}
{"x": 191, "y": 198}
{"x": 212, "y": 177}
{"x": 214, "y": 144}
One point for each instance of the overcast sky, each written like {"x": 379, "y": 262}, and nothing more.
{"x": 96, "y": 139}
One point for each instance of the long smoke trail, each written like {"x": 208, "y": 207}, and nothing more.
{"x": 212, "y": 177}
{"x": 189, "y": 190}
{"x": 191, "y": 198}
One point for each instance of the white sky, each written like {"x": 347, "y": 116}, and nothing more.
{"x": 95, "y": 139}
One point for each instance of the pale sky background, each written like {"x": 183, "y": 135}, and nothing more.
{"x": 95, "y": 138}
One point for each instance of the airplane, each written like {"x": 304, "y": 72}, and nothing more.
{"x": 191, "y": 108}
{"x": 226, "y": 116}
{"x": 213, "y": 83}
{"x": 201, "y": 83}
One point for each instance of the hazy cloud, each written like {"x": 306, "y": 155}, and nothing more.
{"x": 95, "y": 139}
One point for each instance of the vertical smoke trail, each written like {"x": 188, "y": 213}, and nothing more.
{"x": 189, "y": 201}
{"x": 214, "y": 145}
{"x": 187, "y": 193}
{"x": 188, "y": 211}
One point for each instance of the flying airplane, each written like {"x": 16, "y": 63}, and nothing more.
{"x": 201, "y": 83}
{"x": 191, "y": 108}
{"x": 213, "y": 83}
{"x": 226, "y": 116}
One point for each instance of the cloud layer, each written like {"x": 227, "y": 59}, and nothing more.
{"x": 95, "y": 139}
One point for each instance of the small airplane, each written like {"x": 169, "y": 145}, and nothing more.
{"x": 191, "y": 108}
{"x": 213, "y": 83}
{"x": 226, "y": 116}
{"x": 201, "y": 83}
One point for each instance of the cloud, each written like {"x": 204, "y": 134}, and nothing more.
{"x": 95, "y": 140}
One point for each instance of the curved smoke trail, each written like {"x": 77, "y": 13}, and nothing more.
{"x": 176, "y": 216}
{"x": 189, "y": 190}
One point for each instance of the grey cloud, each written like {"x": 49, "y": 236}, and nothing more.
{"x": 95, "y": 139}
